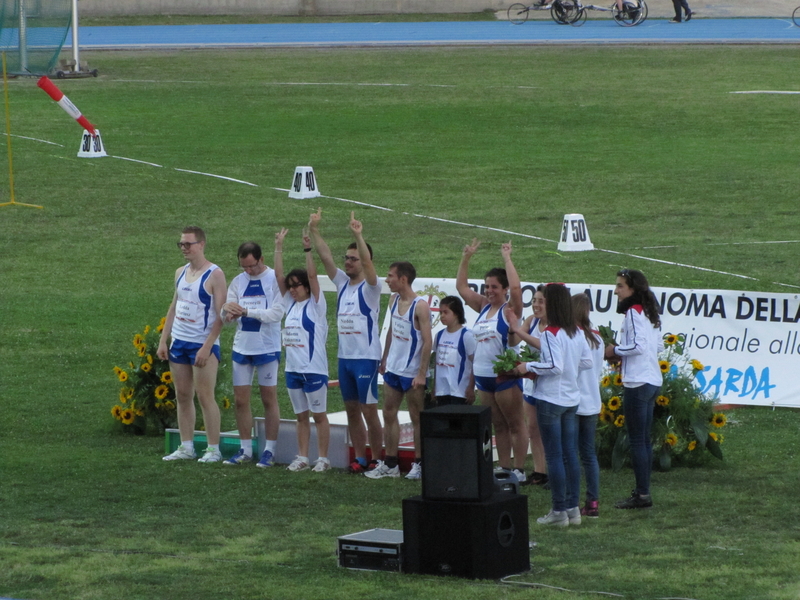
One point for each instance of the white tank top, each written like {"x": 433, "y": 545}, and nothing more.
{"x": 404, "y": 353}
{"x": 194, "y": 309}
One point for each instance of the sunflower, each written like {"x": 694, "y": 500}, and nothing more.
{"x": 123, "y": 396}
{"x": 117, "y": 371}
{"x": 130, "y": 393}
{"x": 127, "y": 416}
{"x": 614, "y": 403}
{"x": 671, "y": 439}
{"x": 166, "y": 377}
{"x": 719, "y": 420}
{"x": 146, "y": 367}
{"x": 662, "y": 401}
{"x": 713, "y": 436}
{"x": 161, "y": 392}
{"x": 697, "y": 365}
{"x": 130, "y": 364}
{"x": 169, "y": 405}
{"x": 226, "y": 403}
{"x": 150, "y": 359}
{"x": 670, "y": 339}
{"x": 161, "y": 323}
{"x": 692, "y": 445}
{"x": 142, "y": 349}
{"x": 604, "y": 415}
{"x": 619, "y": 421}
{"x": 116, "y": 411}
{"x": 123, "y": 376}
{"x": 139, "y": 412}
{"x": 617, "y": 379}
{"x": 137, "y": 340}
{"x": 605, "y": 381}
{"x": 146, "y": 329}
{"x": 664, "y": 366}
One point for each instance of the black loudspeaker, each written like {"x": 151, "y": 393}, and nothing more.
{"x": 477, "y": 540}
{"x": 457, "y": 453}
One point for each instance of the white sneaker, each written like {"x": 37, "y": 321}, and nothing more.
{"x": 300, "y": 463}
{"x": 557, "y": 518}
{"x": 322, "y": 464}
{"x": 415, "y": 472}
{"x": 521, "y": 478}
{"x": 574, "y": 515}
{"x": 383, "y": 471}
{"x": 211, "y": 455}
{"x": 181, "y": 454}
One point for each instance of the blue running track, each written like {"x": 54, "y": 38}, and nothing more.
{"x": 603, "y": 31}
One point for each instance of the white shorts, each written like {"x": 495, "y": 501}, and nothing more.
{"x": 316, "y": 401}
{"x": 267, "y": 374}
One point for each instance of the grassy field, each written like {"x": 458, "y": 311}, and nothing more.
{"x": 648, "y": 143}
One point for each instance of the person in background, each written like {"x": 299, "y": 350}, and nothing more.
{"x": 305, "y": 334}
{"x": 454, "y": 350}
{"x": 639, "y": 346}
{"x": 589, "y": 407}
{"x": 678, "y": 5}
{"x": 193, "y": 324}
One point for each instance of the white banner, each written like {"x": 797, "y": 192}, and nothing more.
{"x": 748, "y": 342}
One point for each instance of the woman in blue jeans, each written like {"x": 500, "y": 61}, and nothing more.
{"x": 564, "y": 352}
{"x": 640, "y": 344}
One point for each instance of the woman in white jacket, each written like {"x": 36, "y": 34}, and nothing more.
{"x": 640, "y": 343}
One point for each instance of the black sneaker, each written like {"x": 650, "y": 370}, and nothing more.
{"x": 537, "y": 479}
{"x": 688, "y": 16}
{"x": 635, "y": 501}
{"x": 674, "y": 21}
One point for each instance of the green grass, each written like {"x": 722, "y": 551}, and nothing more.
{"x": 646, "y": 142}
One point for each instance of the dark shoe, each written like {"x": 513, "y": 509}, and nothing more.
{"x": 688, "y": 16}
{"x": 355, "y": 468}
{"x": 635, "y": 501}
{"x": 674, "y": 21}
{"x": 537, "y": 479}
{"x": 591, "y": 509}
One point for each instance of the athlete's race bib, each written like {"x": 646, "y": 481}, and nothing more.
{"x": 446, "y": 356}
{"x": 484, "y": 331}
{"x": 351, "y": 324}
{"x": 188, "y": 312}
{"x": 253, "y": 302}
{"x": 291, "y": 337}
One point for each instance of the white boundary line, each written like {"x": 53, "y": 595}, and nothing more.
{"x": 23, "y": 137}
{"x": 765, "y": 92}
{"x": 464, "y": 224}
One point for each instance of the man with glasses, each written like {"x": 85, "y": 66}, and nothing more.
{"x": 255, "y": 303}
{"x": 194, "y": 326}
{"x": 357, "y": 307}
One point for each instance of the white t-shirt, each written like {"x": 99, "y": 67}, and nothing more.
{"x": 305, "y": 333}
{"x": 260, "y": 331}
{"x": 589, "y": 379}
{"x": 453, "y": 364}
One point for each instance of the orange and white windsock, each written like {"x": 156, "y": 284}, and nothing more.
{"x": 56, "y": 94}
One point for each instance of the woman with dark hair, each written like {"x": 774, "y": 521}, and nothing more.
{"x": 305, "y": 333}
{"x": 640, "y": 343}
{"x": 491, "y": 334}
{"x": 454, "y": 350}
{"x": 564, "y": 353}
{"x": 589, "y": 407}
{"x": 533, "y": 326}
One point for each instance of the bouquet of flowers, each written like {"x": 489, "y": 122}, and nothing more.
{"x": 684, "y": 421}
{"x": 147, "y": 394}
{"x": 505, "y": 363}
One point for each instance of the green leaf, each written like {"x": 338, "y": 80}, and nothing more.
{"x": 713, "y": 447}
{"x": 620, "y": 451}
{"x": 665, "y": 458}
{"x": 700, "y": 428}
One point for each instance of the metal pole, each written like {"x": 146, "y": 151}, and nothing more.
{"x": 23, "y": 38}
{"x": 75, "y": 48}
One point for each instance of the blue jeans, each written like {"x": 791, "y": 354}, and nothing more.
{"x": 559, "y": 430}
{"x": 587, "y": 425}
{"x": 637, "y": 406}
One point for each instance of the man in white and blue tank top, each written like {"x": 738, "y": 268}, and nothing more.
{"x": 255, "y": 303}
{"x": 404, "y": 367}
{"x": 358, "y": 303}
{"x": 193, "y": 324}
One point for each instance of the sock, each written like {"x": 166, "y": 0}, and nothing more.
{"x": 361, "y": 460}
{"x": 303, "y": 458}
{"x": 247, "y": 447}
{"x": 391, "y": 462}
{"x": 188, "y": 445}
{"x": 271, "y": 445}
{"x": 324, "y": 459}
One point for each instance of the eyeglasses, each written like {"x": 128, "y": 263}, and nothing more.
{"x": 293, "y": 285}
{"x": 624, "y": 273}
{"x": 248, "y": 267}
{"x": 186, "y": 245}
{"x": 351, "y": 258}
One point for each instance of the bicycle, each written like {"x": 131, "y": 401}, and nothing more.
{"x": 796, "y": 16}
{"x": 563, "y": 12}
{"x": 633, "y": 13}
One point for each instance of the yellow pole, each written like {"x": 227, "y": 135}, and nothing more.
{"x": 8, "y": 137}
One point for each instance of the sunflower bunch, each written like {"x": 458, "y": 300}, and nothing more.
{"x": 684, "y": 420}
{"x": 147, "y": 393}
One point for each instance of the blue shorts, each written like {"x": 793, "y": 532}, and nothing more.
{"x": 491, "y": 385}
{"x": 358, "y": 380}
{"x": 255, "y": 359}
{"x": 308, "y": 382}
{"x": 184, "y": 353}
{"x": 401, "y": 384}
{"x": 529, "y": 399}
